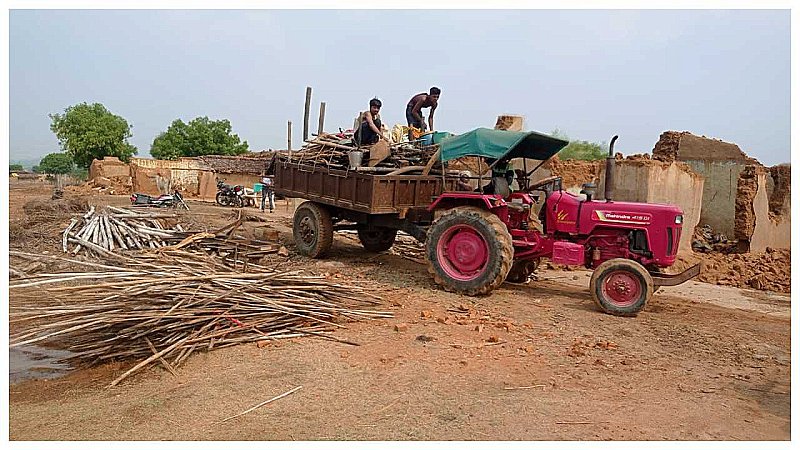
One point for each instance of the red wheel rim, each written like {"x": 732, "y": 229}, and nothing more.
{"x": 462, "y": 253}
{"x": 622, "y": 288}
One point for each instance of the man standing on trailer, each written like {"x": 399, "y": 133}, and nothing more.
{"x": 414, "y": 109}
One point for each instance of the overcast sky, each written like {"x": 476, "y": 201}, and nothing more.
{"x": 591, "y": 74}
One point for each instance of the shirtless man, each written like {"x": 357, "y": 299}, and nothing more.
{"x": 415, "y": 105}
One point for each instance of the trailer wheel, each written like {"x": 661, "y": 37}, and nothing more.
{"x": 312, "y": 229}
{"x": 469, "y": 251}
{"x": 621, "y": 287}
{"x": 377, "y": 239}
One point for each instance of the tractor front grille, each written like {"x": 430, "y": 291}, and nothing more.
{"x": 670, "y": 241}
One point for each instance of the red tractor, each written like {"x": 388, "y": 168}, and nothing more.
{"x": 476, "y": 240}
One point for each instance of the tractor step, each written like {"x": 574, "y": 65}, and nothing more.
{"x": 663, "y": 279}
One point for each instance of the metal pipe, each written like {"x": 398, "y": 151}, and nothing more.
{"x": 609, "y": 191}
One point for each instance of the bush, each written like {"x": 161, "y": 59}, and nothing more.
{"x": 582, "y": 150}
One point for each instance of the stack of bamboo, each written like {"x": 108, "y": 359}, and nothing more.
{"x": 111, "y": 228}
{"x": 107, "y": 231}
{"x": 161, "y": 307}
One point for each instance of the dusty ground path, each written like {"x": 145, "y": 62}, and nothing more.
{"x": 530, "y": 362}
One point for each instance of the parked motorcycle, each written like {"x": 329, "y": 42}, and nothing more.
{"x": 228, "y": 195}
{"x": 174, "y": 200}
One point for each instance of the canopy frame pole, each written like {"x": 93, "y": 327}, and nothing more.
{"x": 537, "y": 167}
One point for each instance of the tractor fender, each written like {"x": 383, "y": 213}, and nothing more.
{"x": 449, "y": 200}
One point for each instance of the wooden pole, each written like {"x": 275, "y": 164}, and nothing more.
{"x": 307, "y": 111}
{"x": 289, "y": 138}
{"x": 321, "y": 118}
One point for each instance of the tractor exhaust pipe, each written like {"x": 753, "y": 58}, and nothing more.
{"x": 609, "y": 191}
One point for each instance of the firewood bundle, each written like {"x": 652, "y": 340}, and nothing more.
{"x": 332, "y": 151}
{"x": 162, "y": 306}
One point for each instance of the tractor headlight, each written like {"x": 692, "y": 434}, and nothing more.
{"x": 678, "y": 219}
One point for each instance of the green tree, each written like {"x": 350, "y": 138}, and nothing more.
{"x": 56, "y": 163}
{"x": 35, "y": 169}
{"x": 89, "y": 132}
{"x": 200, "y": 136}
{"x": 584, "y": 150}
{"x": 15, "y": 168}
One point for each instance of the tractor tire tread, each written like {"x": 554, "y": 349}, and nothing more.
{"x": 617, "y": 264}
{"x": 505, "y": 249}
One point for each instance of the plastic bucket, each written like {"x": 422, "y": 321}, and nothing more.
{"x": 426, "y": 139}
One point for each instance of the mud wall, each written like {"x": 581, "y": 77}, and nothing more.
{"x": 185, "y": 174}
{"x": 763, "y": 220}
{"x": 719, "y": 162}
{"x": 719, "y": 193}
{"x": 651, "y": 181}
{"x": 109, "y": 167}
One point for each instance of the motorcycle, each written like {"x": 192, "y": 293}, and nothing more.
{"x": 174, "y": 200}
{"x": 229, "y": 195}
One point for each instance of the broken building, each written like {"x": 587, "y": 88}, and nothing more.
{"x": 741, "y": 198}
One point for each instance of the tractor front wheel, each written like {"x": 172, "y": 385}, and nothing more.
{"x": 469, "y": 251}
{"x": 377, "y": 239}
{"x": 312, "y": 228}
{"x": 621, "y": 287}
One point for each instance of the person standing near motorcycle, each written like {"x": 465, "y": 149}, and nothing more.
{"x": 267, "y": 193}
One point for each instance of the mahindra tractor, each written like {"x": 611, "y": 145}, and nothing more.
{"x": 477, "y": 237}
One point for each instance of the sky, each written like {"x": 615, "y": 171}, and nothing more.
{"x": 589, "y": 73}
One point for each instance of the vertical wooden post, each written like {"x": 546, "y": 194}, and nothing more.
{"x": 305, "y": 115}
{"x": 289, "y": 138}
{"x": 321, "y": 118}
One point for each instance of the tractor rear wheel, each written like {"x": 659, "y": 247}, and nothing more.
{"x": 377, "y": 239}
{"x": 469, "y": 250}
{"x": 312, "y": 228}
{"x": 621, "y": 287}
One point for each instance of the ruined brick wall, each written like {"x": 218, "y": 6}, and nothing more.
{"x": 745, "y": 217}
{"x": 780, "y": 194}
{"x": 763, "y": 220}
{"x": 719, "y": 162}
{"x": 666, "y": 148}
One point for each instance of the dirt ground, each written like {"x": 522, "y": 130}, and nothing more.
{"x": 530, "y": 362}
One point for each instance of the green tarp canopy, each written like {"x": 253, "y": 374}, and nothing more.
{"x": 496, "y": 144}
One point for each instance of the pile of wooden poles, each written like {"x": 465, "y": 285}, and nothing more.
{"x": 160, "y": 307}
{"x": 112, "y": 228}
